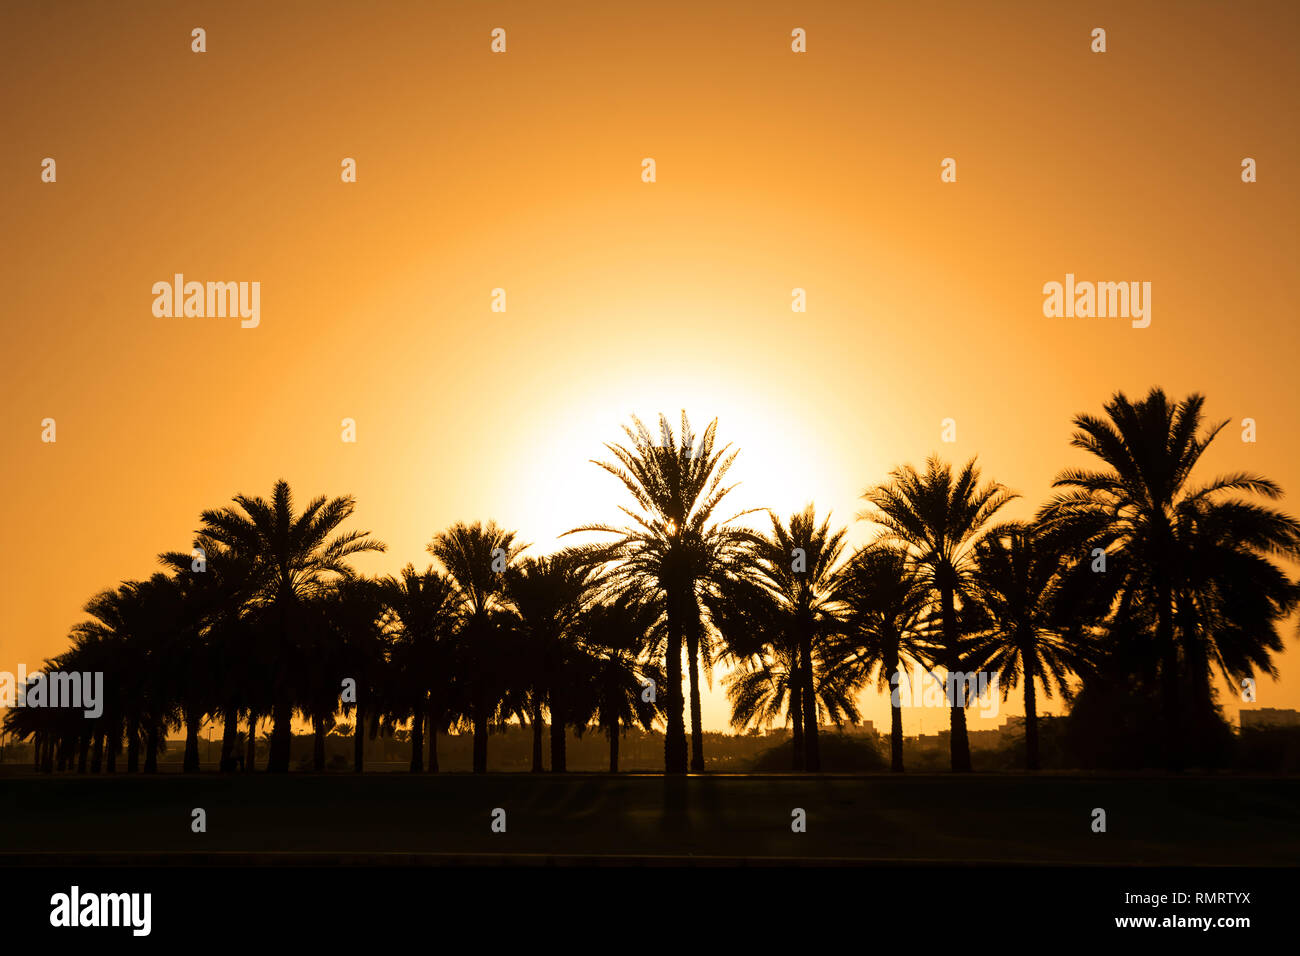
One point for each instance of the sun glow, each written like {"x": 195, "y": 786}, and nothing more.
{"x": 780, "y": 464}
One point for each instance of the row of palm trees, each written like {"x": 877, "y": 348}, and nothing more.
{"x": 1132, "y": 572}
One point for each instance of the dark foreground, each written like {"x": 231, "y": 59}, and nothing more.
{"x": 599, "y": 819}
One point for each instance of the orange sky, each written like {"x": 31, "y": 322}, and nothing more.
{"x": 522, "y": 171}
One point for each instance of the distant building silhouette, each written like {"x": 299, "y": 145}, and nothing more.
{"x": 1269, "y": 717}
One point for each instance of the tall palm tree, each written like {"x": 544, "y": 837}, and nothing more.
{"x": 112, "y": 629}
{"x": 1144, "y": 512}
{"x": 797, "y": 563}
{"x": 218, "y": 589}
{"x": 1229, "y": 603}
{"x": 423, "y": 607}
{"x": 477, "y": 557}
{"x": 675, "y": 550}
{"x": 162, "y": 631}
{"x": 939, "y": 517}
{"x": 766, "y": 686}
{"x": 1034, "y": 636}
{"x": 356, "y": 613}
{"x": 616, "y": 633}
{"x": 321, "y": 670}
{"x": 886, "y": 615}
{"x": 296, "y": 557}
{"x": 549, "y": 594}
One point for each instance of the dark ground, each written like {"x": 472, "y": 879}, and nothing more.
{"x": 593, "y": 818}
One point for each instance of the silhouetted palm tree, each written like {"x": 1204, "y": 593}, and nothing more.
{"x": 218, "y": 583}
{"x": 296, "y": 556}
{"x": 886, "y": 604}
{"x": 939, "y": 518}
{"x": 1174, "y": 544}
{"x": 162, "y": 634}
{"x": 765, "y": 686}
{"x": 549, "y": 595}
{"x": 477, "y": 557}
{"x": 1033, "y": 636}
{"x": 797, "y": 563}
{"x": 673, "y": 549}
{"x": 319, "y": 682}
{"x": 356, "y": 613}
{"x": 615, "y": 634}
{"x": 1230, "y": 600}
{"x": 423, "y": 606}
{"x": 114, "y": 621}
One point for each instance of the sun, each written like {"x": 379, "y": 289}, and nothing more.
{"x": 781, "y": 464}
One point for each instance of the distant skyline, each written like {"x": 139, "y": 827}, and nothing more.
{"x": 521, "y": 171}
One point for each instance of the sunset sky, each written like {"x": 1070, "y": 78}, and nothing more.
{"x": 522, "y": 171}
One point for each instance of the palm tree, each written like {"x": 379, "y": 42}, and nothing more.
{"x": 797, "y": 564}
{"x": 296, "y": 557}
{"x": 114, "y": 620}
{"x": 549, "y": 595}
{"x": 673, "y": 549}
{"x": 1174, "y": 545}
{"x": 1229, "y": 603}
{"x": 939, "y": 518}
{"x": 162, "y": 633}
{"x": 1033, "y": 633}
{"x": 423, "y": 608}
{"x": 477, "y": 557}
{"x": 886, "y": 604}
{"x": 356, "y": 614}
{"x": 218, "y": 590}
{"x": 615, "y": 633}
{"x": 55, "y": 731}
{"x": 766, "y": 686}
{"x": 321, "y": 669}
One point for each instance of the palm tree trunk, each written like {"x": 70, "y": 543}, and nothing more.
{"x": 278, "y": 755}
{"x": 812, "y": 750}
{"x": 959, "y": 741}
{"x": 83, "y": 754}
{"x": 896, "y": 739}
{"x": 359, "y": 739}
{"x": 1169, "y": 678}
{"x": 697, "y": 729}
{"x": 559, "y": 763}
{"x": 318, "y": 743}
{"x": 191, "y": 762}
{"x": 536, "y": 721}
{"x": 613, "y": 745}
{"x": 433, "y": 731}
{"x": 480, "y": 738}
{"x": 97, "y": 755}
{"x": 417, "y": 737}
{"x": 250, "y": 753}
{"x": 151, "y": 748}
{"x": 675, "y": 733}
{"x": 895, "y": 713}
{"x": 281, "y": 734}
{"x": 229, "y": 739}
{"x": 113, "y": 745}
{"x": 133, "y": 744}
{"x": 1031, "y": 712}
{"x": 798, "y": 763}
